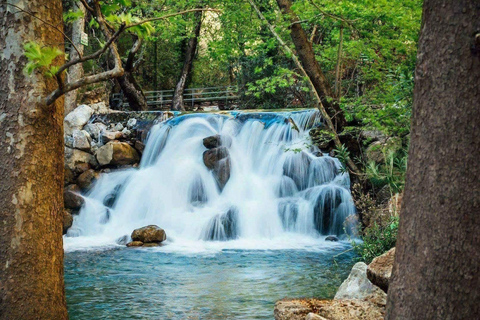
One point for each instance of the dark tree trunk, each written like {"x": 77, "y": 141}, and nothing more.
{"x": 130, "y": 87}
{"x": 177, "y": 103}
{"x": 437, "y": 265}
{"x": 31, "y": 170}
{"x": 307, "y": 57}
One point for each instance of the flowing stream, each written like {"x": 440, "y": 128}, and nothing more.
{"x": 238, "y": 238}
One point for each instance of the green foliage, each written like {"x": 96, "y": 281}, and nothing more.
{"x": 70, "y": 16}
{"x": 377, "y": 240}
{"x": 343, "y": 155}
{"x": 41, "y": 57}
{"x": 391, "y": 172}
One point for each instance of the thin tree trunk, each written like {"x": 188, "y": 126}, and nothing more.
{"x": 307, "y": 57}
{"x": 130, "y": 87}
{"x": 177, "y": 103}
{"x": 31, "y": 170}
{"x": 437, "y": 264}
{"x": 75, "y": 72}
{"x": 338, "y": 79}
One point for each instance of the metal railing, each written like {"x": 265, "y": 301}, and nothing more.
{"x": 164, "y": 98}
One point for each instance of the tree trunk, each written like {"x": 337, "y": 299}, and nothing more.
{"x": 130, "y": 87}
{"x": 75, "y": 72}
{"x": 307, "y": 56}
{"x": 177, "y": 102}
{"x": 437, "y": 265}
{"x": 31, "y": 170}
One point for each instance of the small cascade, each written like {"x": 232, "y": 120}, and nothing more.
{"x": 269, "y": 182}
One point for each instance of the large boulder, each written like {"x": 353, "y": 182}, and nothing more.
{"x": 299, "y": 309}
{"x": 79, "y": 161}
{"x": 149, "y": 234}
{"x": 379, "y": 270}
{"x": 107, "y": 136}
{"x": 117, "y": 153}
{"x": 212, "y": 156}
{"x": 218, "y": 160}
{"x": 72, "y": 198}
{"x": 357, "y": 286}
{"x": 77, "y": 118}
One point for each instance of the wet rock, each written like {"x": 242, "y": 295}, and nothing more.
{"x": 223, "y": 227}
{"x": 296, "y": 166}
{"x": 79, "y": 161}
{"x": 69, "y": 176}
{"x": 357, "y": 286}
{"x": 151, "y": 244}
{"x": 135, "y": 244}
{"x": 197, "y": 192}
{"x": 117, "y": 153}
{"x": 299, "y": 309}
{"x": 149, "y": 234}
{"x": 71, "y": 198}
{"x": 81, "y": 140}
{"x": 379, "y": 270}
{"x": 95, "y": 129}
{"x": 86, "y": 179}
{"x": 331, "y": 238}
{"x": 288, "y": 212}
{"x": 126, "y": 133}
{"x": 212, "y": 156}
{"x": 67, "y": 221}
{"x": 217, "y": 141}
{"x": 77, "y": 118}
{"x": 322, "y": 138}
{"x": 139, "y": 146}
{"x": 324, "y": 210}
{"x": 110, "y": 199}
{"x": 123, "y": 240}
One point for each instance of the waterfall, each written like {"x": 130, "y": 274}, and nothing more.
{"x": 279, "y": 186}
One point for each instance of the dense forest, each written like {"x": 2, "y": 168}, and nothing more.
{"x": 234, "y": 125}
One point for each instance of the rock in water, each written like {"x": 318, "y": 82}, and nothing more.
{"x": 117, "y": 153}
{"x": 379, "y": 270}
{"x": 213, "y": 156}
{"x": 67, "y": 221}
{"x": 357, "y": 286}
{"x": 331, "y": 238}
{"x": 223, "y": 227}
{"x": 135, "y": 244}
{"x": 71, "y": 197}
{"x": 149, "y": 234}
{"x": 218, "y": 160}
{"x": 217, "y": 141}
{"x": 86, "y": 179}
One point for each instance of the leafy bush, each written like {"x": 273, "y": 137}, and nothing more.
{"x": 391, "y": 172}
{"x": 377, "y": 240}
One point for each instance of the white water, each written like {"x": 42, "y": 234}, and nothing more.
{"x": 279, "y": 195}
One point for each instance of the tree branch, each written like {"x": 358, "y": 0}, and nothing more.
{"x": 170, "y": 15}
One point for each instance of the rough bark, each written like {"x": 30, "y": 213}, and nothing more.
{"x": 75, "y": 72}
{"x": 177, "y": 101}
{"x": 130, "y": 87}
{"x": 307, "y": 56}
{"x": 437, "y": 263}
{"x": 31, "y": 170}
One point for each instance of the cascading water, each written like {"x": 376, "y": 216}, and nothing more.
{"x": 279, "y": 189}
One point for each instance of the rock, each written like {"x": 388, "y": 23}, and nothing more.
{"x": 86, "y": 179}
{"x": 131, "y": 123}
{"x": 77, "y": 118}
{"x": 71, "y": 197}
{"x": 118, "y": 127}
{"x": 68, "y": 140}
{"x": 67, "y": 221}
{"x": 139, "y": 146}
{"x": 357, "y": 286}
{"x": 223, "y": 227}
{"x": 135, "y": 244}
{"x": 100, "y": 108}
{"x": 379, "y": 270}
{"x": 107, "y": 136}
{"x": 212, "y": 156}
{"x": 151, "y": 244}
{"x": 299, "y": 309}
{"x": 318, "y": 154}
{"x": 373, "y": 135}
{"x": 123, "y": 240}
{"x": 331, "y": 238}
{"x": 149, "y": 234}
{"x": 126, "y": 132}
{"x": 217, "y": 141}
{"x": 322, "y": 138}
{"x": 81, "y": 140}
{"x": 95, "y": 129}
{"x": 313, "y": 316}
{"x": 377, "y": 150}
{"x": 69, "y": 176}
{"x": 117, "y": 153}
{"x": 79, "y": 161}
